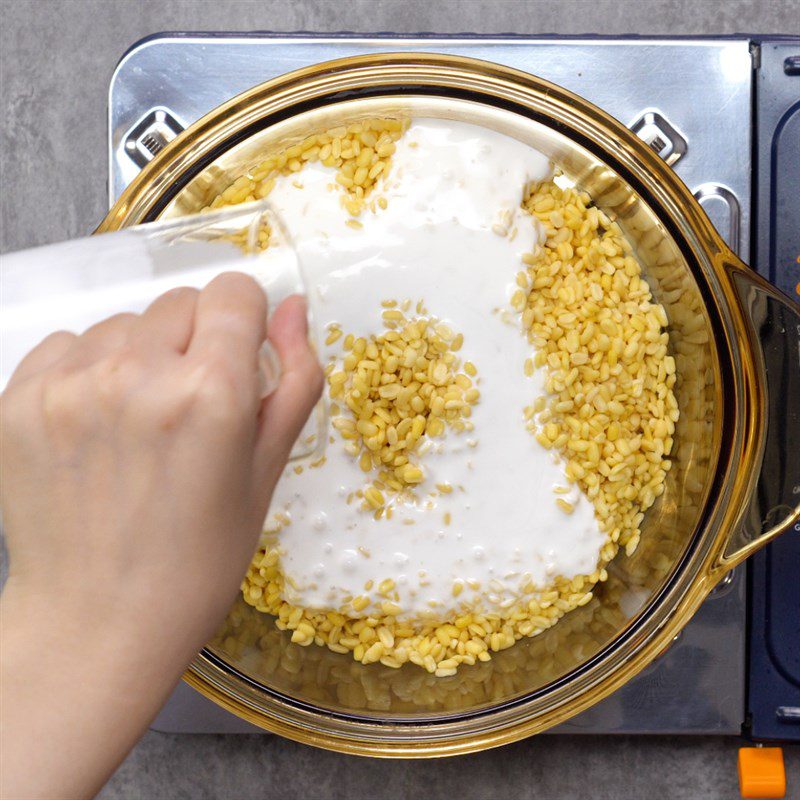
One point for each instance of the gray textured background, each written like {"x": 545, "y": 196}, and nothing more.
{"x": 56, "y": 60}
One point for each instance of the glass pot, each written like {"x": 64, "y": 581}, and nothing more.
{"x": 735, "y": 480}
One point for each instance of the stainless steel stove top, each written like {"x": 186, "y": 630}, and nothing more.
{"x": 690, "y": 100}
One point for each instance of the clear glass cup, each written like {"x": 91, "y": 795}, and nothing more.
{"x": 72, "y": 285}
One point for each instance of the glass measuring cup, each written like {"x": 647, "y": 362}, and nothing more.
{"x": 73, "y": 285}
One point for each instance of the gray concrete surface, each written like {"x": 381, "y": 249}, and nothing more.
{"x": 555, "y": 768}
{"x": 57, "y": 56}
{"x": 56, "y": 59}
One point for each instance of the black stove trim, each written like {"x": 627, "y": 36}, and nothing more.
{"x": 767, "y": 685}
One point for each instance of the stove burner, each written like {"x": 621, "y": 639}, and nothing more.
{"x": 676, "y": 91}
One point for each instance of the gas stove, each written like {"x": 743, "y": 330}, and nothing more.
{"x": 725, "y": 113}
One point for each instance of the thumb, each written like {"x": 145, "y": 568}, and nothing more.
{"x": 286, "y": 410}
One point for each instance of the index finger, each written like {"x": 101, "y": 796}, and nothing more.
{"x": 47, "y": 353}
{"x": 230, "y": 321}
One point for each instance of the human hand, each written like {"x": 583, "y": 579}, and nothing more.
{"x": 138, "y": 462}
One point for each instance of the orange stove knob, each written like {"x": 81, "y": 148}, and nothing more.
{"x": 761, "y": 772}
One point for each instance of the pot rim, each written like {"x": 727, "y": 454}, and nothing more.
{"x": 701, "y": 566}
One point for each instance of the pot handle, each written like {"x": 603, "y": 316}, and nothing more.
{"x": 773, "y": 322}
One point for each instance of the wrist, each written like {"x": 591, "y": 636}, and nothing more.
{"x": 65, "y": 663}
{"x": 82, "y": 635}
